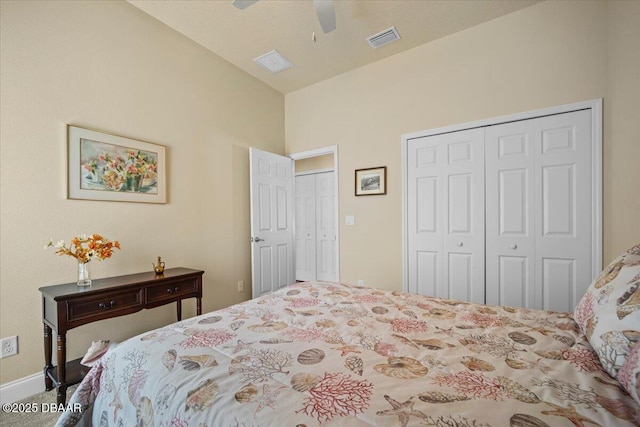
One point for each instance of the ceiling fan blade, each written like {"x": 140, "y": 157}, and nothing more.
{"x": 326, "y": 14}
{"x": 243, "y": 4}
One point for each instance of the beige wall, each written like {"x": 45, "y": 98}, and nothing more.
{"x": 315, "y": 163}
{"x": 109, "y": 66}
{"x": 622, "y": 127}
{"x": 549, "y": 54}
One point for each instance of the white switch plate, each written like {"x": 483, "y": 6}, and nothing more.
{"x": 349, "y": 220}
{"x": 241, "y": 286}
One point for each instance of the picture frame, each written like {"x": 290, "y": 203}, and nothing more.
{"x": 371, "y": 181}
{"x": 103, "y": 166}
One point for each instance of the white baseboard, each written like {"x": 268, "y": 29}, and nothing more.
{"x": 22, "y": 388}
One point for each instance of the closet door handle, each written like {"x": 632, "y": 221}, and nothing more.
{"x": 460, "y": 244}
{"x": 257, "y": 239}
{"x": 514, "y": 246}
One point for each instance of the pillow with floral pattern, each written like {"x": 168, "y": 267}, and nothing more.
{"x": 609, "y": 312}
{"x": 629, "y": 374}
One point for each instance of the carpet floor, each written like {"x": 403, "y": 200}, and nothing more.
{"x": 39, "y": 418}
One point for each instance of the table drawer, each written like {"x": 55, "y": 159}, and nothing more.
{"x": 98, "y": 306}
{"x": 171, "y": 291}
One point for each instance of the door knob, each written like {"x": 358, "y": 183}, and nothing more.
{"x": 460, "y": 244}
{"x": 257, "y": 239}
{"x": 514, "y": 246}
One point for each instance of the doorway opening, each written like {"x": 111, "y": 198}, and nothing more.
{"x": 273, "y": 216}
{"x": 316, "y": 229}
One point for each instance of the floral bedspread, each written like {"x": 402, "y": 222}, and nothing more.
{"x": 333, "y": 354}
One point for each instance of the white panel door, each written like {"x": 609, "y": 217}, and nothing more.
{"x": 271, "y": 184}
{"x": 510, "y": 237}
{"x": 463, "y": 237}
{"x": 563, "y": 209}
{"x": 446, "y": 215}
{"x": 424, "y": 216}
{"x": 326, "y": 227}
{"x": 305, "y": 228}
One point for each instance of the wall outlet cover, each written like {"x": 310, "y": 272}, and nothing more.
{"x": 9, "y": 346}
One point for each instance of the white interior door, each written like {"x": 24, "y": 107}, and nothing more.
{"x": 538, "y": 211}
{"x": 445, "y": 217}
{"x": 543, "y": 207}
{"x": 564, "y": 209}
{"x": 510, "y": 210}
{"x": 315, "y": 229}
{"x": 305, "y": 227}
{"x": 271, "y": 183}
{"x": 463, "y": 203}
{"x": 326, "y": 227}
{"x": 424, "y": 216}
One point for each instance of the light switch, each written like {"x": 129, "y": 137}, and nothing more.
{"x": 349, "y": 220}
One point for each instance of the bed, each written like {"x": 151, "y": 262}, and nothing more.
{"x": 329, "y": 354}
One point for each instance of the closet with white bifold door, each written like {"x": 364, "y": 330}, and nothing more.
{"x": 315, "y": 228}
{"x": 507, "y": 212}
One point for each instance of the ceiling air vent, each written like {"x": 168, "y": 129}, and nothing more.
{"x": 384, "y": 37}
{"x": 273, "y": 62}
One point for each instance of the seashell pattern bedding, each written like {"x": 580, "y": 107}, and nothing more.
{"x": 333, "y": 354}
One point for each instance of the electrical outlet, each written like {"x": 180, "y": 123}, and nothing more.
{"x": 9, "y": 346}
{"x": 241, "y": 286}
{"x": 360, "y": 282}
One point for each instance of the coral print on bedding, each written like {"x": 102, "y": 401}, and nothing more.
{"x": 332, "y": 354}
{"x": 609, "y": 312}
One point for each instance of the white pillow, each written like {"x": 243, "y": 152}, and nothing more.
{"x": 629, "y": 374}
{"x": 609, "y": 312}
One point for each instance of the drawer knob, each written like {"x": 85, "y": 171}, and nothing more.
{"x": 105, "y": 305}
{"x": 173, "y": 290}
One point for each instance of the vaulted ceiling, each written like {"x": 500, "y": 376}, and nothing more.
{"x": 239, "y": 36}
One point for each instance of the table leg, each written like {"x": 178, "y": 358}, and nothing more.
{"x": 61, "y": 396}
{"x": 198, "y": 306}
{"x": 62, "y": 365}
{"x": 179, "y": 309}
{"x": 48, "y": 384}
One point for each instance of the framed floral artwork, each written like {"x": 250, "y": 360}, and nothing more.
{"x": 110, "y": 167}
{"x": 372, "y": 181}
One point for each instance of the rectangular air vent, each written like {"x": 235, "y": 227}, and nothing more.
{"x": 384, "y": 37}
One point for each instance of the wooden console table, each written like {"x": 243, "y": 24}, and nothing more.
{"x": 68, "y": 306}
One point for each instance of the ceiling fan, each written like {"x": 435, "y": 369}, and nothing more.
{"x": 324, "y": 10}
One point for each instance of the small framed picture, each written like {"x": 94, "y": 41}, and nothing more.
{"x": 371, "y": 181}
{"x": 110, "y": 167}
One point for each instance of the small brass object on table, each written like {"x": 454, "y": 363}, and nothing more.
{"x": 159, "y": 268}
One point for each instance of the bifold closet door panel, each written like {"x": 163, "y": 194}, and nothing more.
{"x": 446, "y": 215}
{"x": 503, "y": 214}
{"x": 563, "y": 209}
{"x": 510, "y": 211}
{"x": 424, "y": 215}
{"x": 305, "y": 230}
{"x": 325, "y": 227}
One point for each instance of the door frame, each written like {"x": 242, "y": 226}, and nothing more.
{"x": 595, "y": 105}
{"x": 333, "y": 149}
